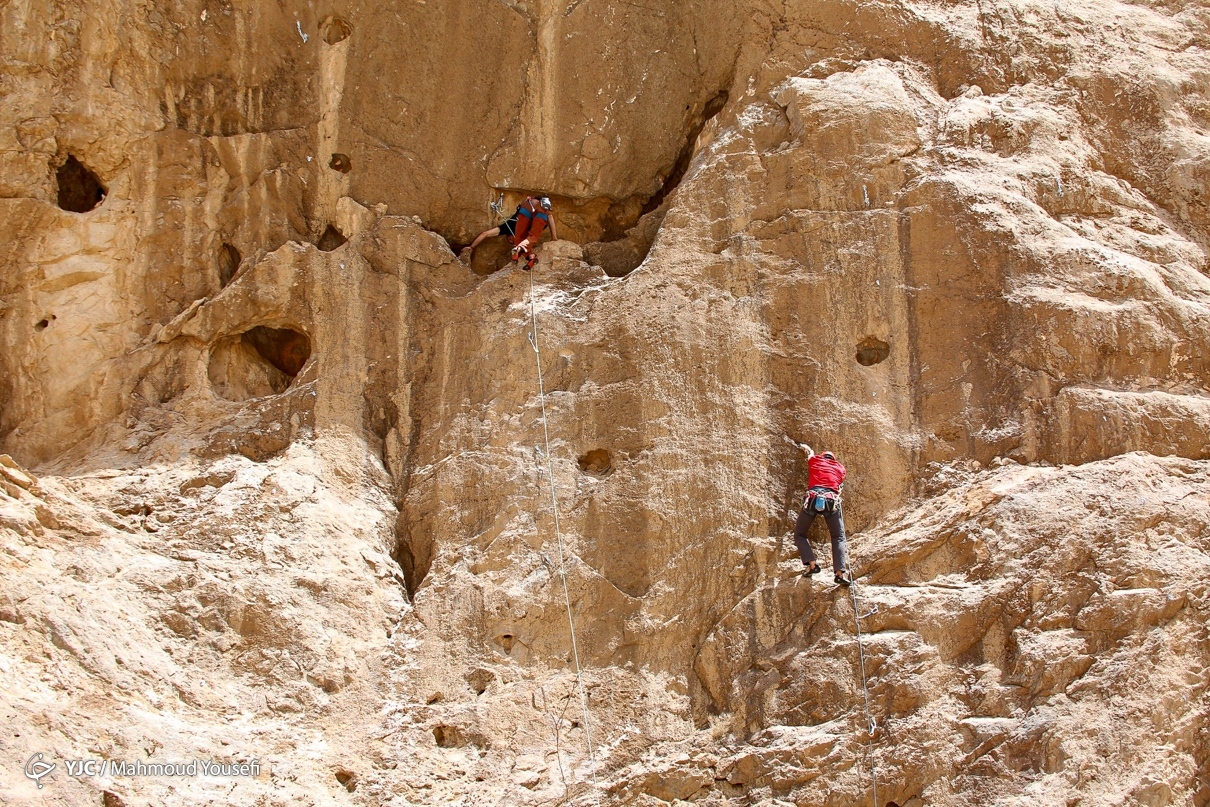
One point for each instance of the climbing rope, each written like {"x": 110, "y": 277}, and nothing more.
{"x": 554, "y": 503}
{"x": 871, "y": 724}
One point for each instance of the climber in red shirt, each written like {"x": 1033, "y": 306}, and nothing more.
{"x": 825, "y": 478}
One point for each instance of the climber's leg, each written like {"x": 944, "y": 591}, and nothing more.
{"x": 801, "y": 528}
{"x": 835, "y": 521}
{"x": 483, "y": 236}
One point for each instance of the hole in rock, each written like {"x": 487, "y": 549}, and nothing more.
{"x": 479, "y": 679}
{"x": 871, "y": 351}
{"x": 228, "y": 263}
{"x": 42, "y": 325}
{"x": 448, "y": 737}
{"x": 331, "y": 239}
{"x": 340, "y": 162}
{"x": 506, "y": 641}
{"x": 598, "y": 461}
{"x": 259, "y": 362}
{"x": 79, "y": 189}
{"x": 335, "y": 30}
{"x": 347, "y": 778}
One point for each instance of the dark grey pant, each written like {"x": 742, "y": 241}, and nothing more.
{"x": 835, "y": 520}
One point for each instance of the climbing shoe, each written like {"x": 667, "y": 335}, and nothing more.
{"x": 531, "y": 263}
{"x": 517, "y": 253}
{"x": 842, "y": 579}
{"x": 813, "y": 569}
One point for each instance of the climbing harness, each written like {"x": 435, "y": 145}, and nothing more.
{"x": 871, "y": 723}
{"x": 550, "y": 474}
{"x": 823, "y": 500}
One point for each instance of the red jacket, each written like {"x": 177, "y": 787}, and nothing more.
{"x": 824, "y": 473}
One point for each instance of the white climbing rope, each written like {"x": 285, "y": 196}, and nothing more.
{"x": 871, "y": 724}
{"x": 554, "y": 503}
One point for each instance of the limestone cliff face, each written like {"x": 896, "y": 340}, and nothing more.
{"x": 274, "y": 481}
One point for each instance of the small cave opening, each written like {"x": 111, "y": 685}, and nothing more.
{"x": 340, "y": 162}
{"x": 597, "y": 462}
{"x": 331, "y": 239}
{"x": 43, "y": 324}
{"x": 347, "y": 779}
{"x": 80, "y": 190}
{"x": 334, "y": 30}
{"x": 260, "y": 362}
{"x": 448, "y": 737}
{"x": 285, "y": 349}
{"x": 229, "y": 260}
{"x": 871, "y": 351}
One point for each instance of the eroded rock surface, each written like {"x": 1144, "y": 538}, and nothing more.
{"x": 276, "y": 473}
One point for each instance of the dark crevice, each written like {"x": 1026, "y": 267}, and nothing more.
{"x": 79, "y": 188}
{"x": 228, "y": 264}
{"x": 413, "y": 553}
{"x": 681, "y": 166}
{"x": 331, "y": 239}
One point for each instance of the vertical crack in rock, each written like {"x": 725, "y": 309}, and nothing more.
{"x": 228, "y": 264}
{"x": 685, "y": 158}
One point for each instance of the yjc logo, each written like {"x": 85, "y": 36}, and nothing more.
{"x": 35, "y": 768}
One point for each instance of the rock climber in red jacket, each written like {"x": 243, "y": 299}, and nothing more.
{"x": 524, "y": 228}
{"x": 825, "y": 477}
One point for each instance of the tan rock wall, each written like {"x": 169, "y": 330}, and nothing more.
{"x": 278, "y": 457}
